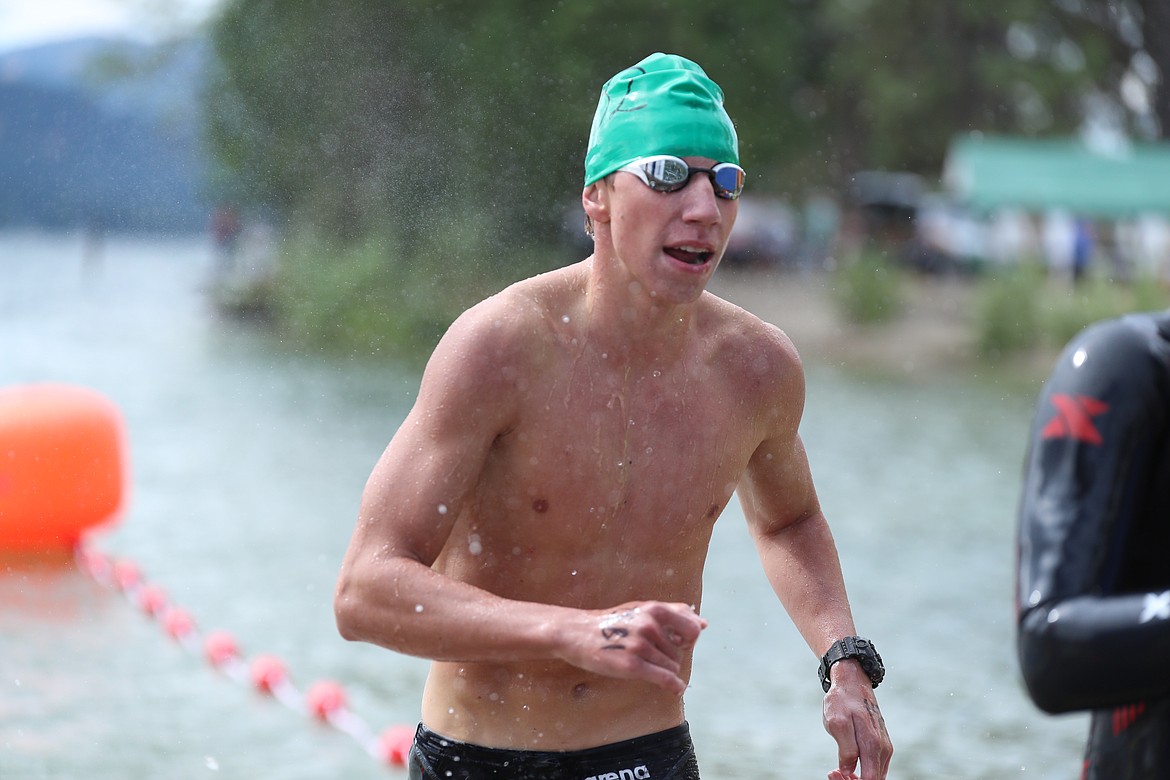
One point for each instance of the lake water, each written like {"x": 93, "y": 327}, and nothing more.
{"x": 247, "y": 459}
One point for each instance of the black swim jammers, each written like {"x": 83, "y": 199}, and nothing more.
{"x": 667, "y": 755}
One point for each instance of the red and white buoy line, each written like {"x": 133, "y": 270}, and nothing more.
{"x": 324, "y": 700}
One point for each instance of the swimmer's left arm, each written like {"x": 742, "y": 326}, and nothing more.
{"x": 795, "y": 543}
{"x": 780, "y": 502}
{"x": 800, "y": 560}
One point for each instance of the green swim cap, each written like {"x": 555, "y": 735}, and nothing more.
{"x": 665, "y": 104}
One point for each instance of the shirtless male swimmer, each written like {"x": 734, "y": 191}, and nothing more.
{"x": 539, "y": 524}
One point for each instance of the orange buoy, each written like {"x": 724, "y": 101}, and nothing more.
{"x": 324, "y": 699}
{"x": 394, "y": 744}
{"x": 61, "y": 465}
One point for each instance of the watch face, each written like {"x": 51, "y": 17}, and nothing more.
{"x": 871, "y": 662}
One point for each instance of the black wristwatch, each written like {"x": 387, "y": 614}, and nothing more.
{"x": 853, "y": 647}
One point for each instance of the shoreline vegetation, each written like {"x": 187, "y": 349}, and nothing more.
{"x": 931, "y": 329}
{"x": 868, "y": 313}
{"x": 1013, "y": 325}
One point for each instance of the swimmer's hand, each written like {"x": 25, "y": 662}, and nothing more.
{"x": 852, "y": 718}
{"x": 641, "y": 640}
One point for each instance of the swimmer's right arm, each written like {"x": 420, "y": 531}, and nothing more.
{"x": 399, "y": 602}
{"x": 388, "y": 594}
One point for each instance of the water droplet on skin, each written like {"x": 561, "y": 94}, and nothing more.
{"x": 474, "y": 545}
{"x": 768, "y": 456}
{"x": 565, "y": 319}
{"x": 450, "y": 710}
{"x": 657, "y": 373}
{"x": 494, "y": 696}
{"x": 418, "y": 607}
{"x": 604, "y": 355}
{"x": 442, "y": 509}
{"x": 649, "y": 450}
{"x": 573, "y": 572}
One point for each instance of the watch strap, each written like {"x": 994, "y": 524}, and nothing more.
{"x": 861, "y": 650}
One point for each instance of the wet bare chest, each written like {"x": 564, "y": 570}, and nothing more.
{"x": 650, "y": 444}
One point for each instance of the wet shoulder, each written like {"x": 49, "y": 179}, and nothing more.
{"x": 750, "y": 349}
{"x": 506, "y": 333}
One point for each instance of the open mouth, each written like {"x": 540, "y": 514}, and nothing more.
{"x": 689, "y": 255}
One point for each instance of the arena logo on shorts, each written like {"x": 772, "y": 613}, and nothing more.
{"x": 637, "y": 773}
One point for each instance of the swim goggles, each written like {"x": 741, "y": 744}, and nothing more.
{"x": 667, "y": 173}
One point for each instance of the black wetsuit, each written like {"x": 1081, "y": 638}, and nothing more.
{"x": 667, "y": 755}
{"x": 1094, "y": 545}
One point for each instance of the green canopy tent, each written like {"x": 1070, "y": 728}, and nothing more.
{"x": 989, "y": 173}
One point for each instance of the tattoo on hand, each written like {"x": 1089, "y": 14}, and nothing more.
{"x": 875, "y": 715}
{"x": 612, "y": 632}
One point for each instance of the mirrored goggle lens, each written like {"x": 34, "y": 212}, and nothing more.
{"x": 728, "y": 180}
{"x": 670, "y": 174}
{"x": 667, "y": 174}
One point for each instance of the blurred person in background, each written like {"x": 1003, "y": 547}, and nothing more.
{"x": 1094, "y": 535}
{"x": 539, "y": 524}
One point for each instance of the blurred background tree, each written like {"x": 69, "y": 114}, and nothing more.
{"x": 417, "y": 120}
{"x": 903, "y": 77}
